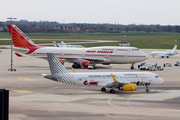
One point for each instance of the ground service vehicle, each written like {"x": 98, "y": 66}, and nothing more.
{"x": 147, "y": 66}
{"x": 177, "y": 63}
{"x": 143, "y": 63}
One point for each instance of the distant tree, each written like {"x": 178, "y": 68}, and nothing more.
{"x": 155, "y": 29}
{"x": 118, "y": 28}
{"x": 177, "y": 29}
{"x": 111, "y": 29}
{"x": 33, "y": 25}
{"x": 127, "y": 28}
{"x": 169, "y": 28}
{"x": 139, "y": 28}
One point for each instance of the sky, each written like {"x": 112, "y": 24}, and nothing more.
{"x": 163, "y": 12}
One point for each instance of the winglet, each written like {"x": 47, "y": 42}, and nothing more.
{"x": 113, "y": 78}
{"x": 73, "y": 70}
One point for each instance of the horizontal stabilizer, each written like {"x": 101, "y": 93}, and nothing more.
{"x": 19, "y": 55}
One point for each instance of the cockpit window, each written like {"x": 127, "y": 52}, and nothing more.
{"x": 135, "y": 49}
{"x": 156, "y": 76}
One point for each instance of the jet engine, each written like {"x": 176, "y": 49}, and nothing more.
{"x": 62, "y": 61}
{"x": 128, "y": 87}
{"x": 85, "y": 63}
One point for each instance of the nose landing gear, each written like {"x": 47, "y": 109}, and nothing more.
{"x": 147, "y": 89}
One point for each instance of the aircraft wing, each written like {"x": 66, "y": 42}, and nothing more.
{"x": 77, "y": 59}
{"x": 116, "y": 83}
{"x": 80, "y": 59}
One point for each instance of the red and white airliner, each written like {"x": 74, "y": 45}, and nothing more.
{"x": 79, "y": 56}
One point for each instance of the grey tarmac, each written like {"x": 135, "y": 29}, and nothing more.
{"x": 33, "y": 97}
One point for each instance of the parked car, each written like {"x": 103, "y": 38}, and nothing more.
{"x": 91, "y": 66}
{"x": 177, "y": 63}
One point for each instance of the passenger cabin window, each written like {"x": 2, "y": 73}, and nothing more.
{"x": 156, "y": 77}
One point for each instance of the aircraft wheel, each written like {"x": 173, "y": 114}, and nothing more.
{"x": 103, "y": 89}
{"x": 112, "y": 91}
{"x": 73, "y": 66}
{"x": 147, "y": 90}
{"x": 167, "y": 56}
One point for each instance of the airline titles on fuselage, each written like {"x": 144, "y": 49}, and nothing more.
{"x": 97, "y": 77}
{"x": 94, "y": 51}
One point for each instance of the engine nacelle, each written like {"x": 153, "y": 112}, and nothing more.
{"x": 62, "y": 61}
{"x": 128, "y": 87}
{"x": 85, "y": 63}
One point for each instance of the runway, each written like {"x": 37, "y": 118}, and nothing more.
{"x": 33, "y": 97}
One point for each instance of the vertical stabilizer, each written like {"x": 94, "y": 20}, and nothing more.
{"x": 55, "y": 66}
{"x": 55, "y": 44}
{"x": 58, "y": 71}
{"x": 62, "y": 43}
{"x": 174, "y": 49}
{"x": 19, "y": 38}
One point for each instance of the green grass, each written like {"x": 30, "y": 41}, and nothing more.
{"x": 136, "y": 39}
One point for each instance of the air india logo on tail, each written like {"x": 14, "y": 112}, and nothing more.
{"x": 21, "y": 40}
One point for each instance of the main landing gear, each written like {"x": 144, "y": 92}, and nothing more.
{"x": 132, "y": 67}
{"x": 163, "y": 56}
{"x": 104, "y": 90}
{"x": 76, "y": 65}
{"x": 112, "y": 91}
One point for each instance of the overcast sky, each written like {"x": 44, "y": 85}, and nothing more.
{"x": 163, "y": 12}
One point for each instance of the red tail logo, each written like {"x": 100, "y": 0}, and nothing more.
{"x": 21, "y": 40}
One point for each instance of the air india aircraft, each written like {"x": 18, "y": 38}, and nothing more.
{"x": 125, "y": 81}
{"x": 79, "y": 56}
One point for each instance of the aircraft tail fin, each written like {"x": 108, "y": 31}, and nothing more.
{"x": 55, "y": 44}
{"x": 62, "y": 43}
{"x": 55, "y": 66}
{"x": 19, "y": 38}
{"x": 58, "y": 71}
{"x": 174, "y": 49}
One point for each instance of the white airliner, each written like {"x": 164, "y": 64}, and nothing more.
{"x": 64, "y": 45}
{"x": 100, "y": 55}
{"x": 163, "y": 54}
{"x": 125, "y": 81}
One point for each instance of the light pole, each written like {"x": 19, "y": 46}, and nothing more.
{"x": 11, "y": 18}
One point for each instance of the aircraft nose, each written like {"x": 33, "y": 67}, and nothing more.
{"x": 146, "y": 56}
{"x": 161, "y": 80}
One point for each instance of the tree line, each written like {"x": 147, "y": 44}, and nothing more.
{"x": 55, "y": 27}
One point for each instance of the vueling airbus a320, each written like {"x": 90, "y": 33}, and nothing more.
{"x": 125, "y": 81}
{"x": 100, "y": 55}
